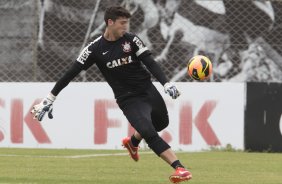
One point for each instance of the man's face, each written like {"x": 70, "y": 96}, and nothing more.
{"x": 119, "y": 26}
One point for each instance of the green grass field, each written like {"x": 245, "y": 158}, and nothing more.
{"x": 30, "y": 166}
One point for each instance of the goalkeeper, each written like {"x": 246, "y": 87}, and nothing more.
{"x": 121, "y": 57}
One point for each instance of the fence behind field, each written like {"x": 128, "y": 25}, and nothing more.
{"x": 40, "y": 39}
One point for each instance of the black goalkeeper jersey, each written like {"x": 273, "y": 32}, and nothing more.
{"x": 120, "y": 63}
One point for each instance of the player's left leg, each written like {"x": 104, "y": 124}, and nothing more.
{"x": 159, "y": 112}
{"x": 160, "y": 121}
{"x": 181, "y": 173}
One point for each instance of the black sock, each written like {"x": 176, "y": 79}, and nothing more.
{"x": 176, "y": 164}
{"x": 135, "y": 142}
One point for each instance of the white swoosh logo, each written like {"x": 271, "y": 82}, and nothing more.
{"x": 105, "y": 52}
{"x": 182, "y": 172}
{"x": 133, "y": 152}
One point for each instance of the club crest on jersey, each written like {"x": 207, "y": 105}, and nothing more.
{"x": 126, "y": 47}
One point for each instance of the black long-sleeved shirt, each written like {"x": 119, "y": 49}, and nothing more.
{"x": 121, "y": 63}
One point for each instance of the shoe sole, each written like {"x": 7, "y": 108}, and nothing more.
{"x": 178, "y": 179}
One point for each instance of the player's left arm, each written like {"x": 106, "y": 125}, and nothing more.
{"x": 158, "y": 73}
{"x": 144, "y": 55}
{"x": 155, "y": 69}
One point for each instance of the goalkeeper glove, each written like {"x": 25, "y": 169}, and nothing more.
{"x": 46, "y": 105}
{"x": 172, "y": 90}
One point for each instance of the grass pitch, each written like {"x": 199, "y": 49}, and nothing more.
{"x": 36, "y": 166}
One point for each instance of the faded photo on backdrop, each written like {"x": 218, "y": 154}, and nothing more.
{"x": 242, "y": 38}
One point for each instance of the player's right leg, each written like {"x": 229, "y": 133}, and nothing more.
{"x": 137, "y": 110}
{"x": 131, "y": 144}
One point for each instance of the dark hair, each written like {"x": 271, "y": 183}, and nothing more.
{"x": 114, "y": 12}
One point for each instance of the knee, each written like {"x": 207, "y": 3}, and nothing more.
{"x": 147, "y": 132}
{"x": 145, "y": 128}
{"x": 157, "y": 144}
{"x": 162, "y": 124}
{"x": 160, "y": 128}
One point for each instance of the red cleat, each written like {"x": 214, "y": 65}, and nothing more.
{"x": 180, "y": 174}
{"x": 133, "y": 151}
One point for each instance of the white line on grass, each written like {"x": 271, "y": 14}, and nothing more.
{"x": 72, "y": 156}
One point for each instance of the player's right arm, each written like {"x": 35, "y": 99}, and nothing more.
{"x": 83, "y": 62}
{"x": 46, "y": 105}
{"x": 73, "y": 71}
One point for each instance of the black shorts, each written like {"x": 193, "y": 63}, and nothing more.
{"x": 146, "y": 111}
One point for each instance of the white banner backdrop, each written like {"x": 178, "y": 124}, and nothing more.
{"x": 86, "y": 116}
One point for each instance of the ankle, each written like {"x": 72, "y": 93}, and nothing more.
{"x": 176, "y": 164}
{"x": 134, "y": 141}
